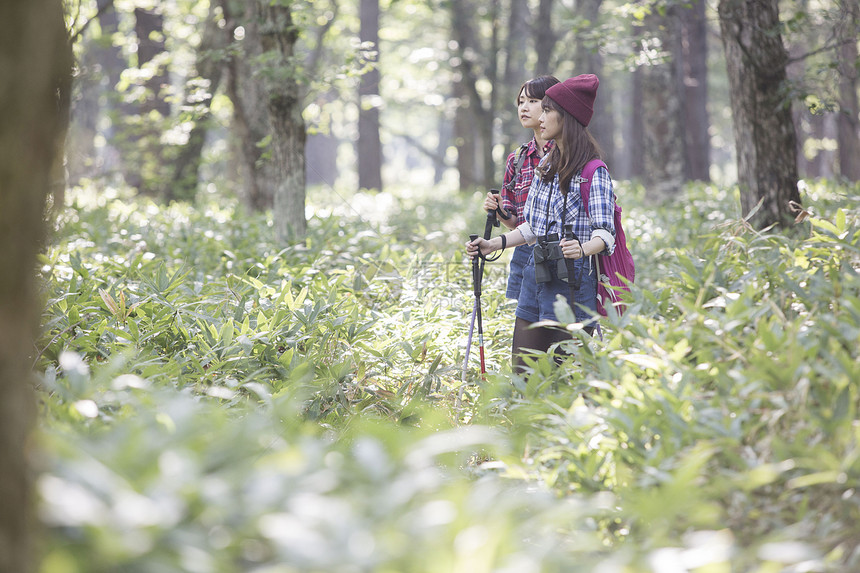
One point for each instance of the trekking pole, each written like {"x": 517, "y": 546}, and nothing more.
{"x": 477, "y": 278}
{"x": 475, "y": 308}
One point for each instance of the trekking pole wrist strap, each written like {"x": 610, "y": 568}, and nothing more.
{"x": 504, "y": 244}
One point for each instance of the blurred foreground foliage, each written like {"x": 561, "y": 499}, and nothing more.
{"x": 211, "y": 403}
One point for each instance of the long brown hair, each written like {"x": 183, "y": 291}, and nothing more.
{"x": 577, "y": 148}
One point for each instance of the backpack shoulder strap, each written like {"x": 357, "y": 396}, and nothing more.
{"x": 587, "y": 175}
{"x": 521, "y": 158}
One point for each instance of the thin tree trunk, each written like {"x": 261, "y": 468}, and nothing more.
{"x": 545, "y": 38}
{"x": 661, "y": 115}
{"x": 694, "y": 50}
{"x": 515, "y": 73}
{"x": 141, "y": 151}
{"x": 113, "y": 63}
{"x": 588, "y": 60}
{"x": 465, "y": 139}
{"x": 186, "y": 173}
{"x": 636, "y": 147}
{"x": 321, "y": 147}
{"x": 764, "y": 130}
{"x": 848, "y": 123}
{"x": 149, "y": 29}
{"x": 279, "y": 36}
{"x": 480, "y": 120}
{"x": 37, "y": 62}
{"x": 808, "y": 126}
{"x": 368, "y": 144}
{"x": 445, "y": 133}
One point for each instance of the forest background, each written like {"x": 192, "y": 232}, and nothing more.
{"x": 247, "y": 220}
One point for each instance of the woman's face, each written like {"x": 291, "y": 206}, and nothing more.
{"x": 550, "y": 124}
{"x": 528, "y": 110}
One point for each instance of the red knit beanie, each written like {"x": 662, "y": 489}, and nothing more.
{"x": 576, "y": 96}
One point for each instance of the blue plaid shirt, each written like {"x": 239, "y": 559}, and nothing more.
{"x": 601, "y": 207}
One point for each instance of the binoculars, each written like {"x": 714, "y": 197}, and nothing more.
{"x": 547, "y": 252}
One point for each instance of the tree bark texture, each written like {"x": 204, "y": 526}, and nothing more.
{"x": 369, "y": 147}
{"x": 662, "y": 118}
{"x": 848, "y": 122}
{"x": 250, "y": 116}
{"x": 279, "y": 36}
{"x": 694, "y": 57}
{"x": 35, "y": 77}
{"x": 764, "y": 131}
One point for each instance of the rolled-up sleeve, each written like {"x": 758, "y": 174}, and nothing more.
{"x": 601, "y": 209}
{"x": 526, "y": 231}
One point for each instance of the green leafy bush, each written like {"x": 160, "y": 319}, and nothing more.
{"x": 213, "y": 402}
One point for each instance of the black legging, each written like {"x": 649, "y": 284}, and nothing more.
{"x": 541, "y": 338}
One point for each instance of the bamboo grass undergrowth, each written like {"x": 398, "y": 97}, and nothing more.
{"x": 213, "y": 402}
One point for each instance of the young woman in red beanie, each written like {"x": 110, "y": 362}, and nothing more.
{"x": 554, "y": 201}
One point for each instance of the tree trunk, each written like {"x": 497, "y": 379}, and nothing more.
{"x": 636, "y": 140}
{"x": 149, "y": 29}
{"x": 694, "y": 54}
{"x": 516, "y": 48}
{"x": 848, "y": 123}
{"x": 250, "y": 115}
{"x": 186, "y": 171}
{"x": 478, "y": 118}
{"x": 36, "y": 68}
{"x": 809, "y": 125}
{"x": 143, "y": 158}
{"x": 112, "y": 63}
{"x": 368, "y": 144}
{"x": 764, "y": 130}
{"x": 279, "y": 36}
{"x": 545, "y": 38}
{"x": 662, "y": 119}
{"x": 588, "y": 60}
{"x": 465, "y": 139}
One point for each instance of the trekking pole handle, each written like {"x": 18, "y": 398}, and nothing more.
{"x": 476, "y": 269}
{"x": 501, "y": 211}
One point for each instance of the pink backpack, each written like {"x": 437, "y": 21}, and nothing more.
{"x": 611, "y": 269}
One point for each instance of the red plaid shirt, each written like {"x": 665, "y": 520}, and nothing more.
{"x": 514, "y": 200}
